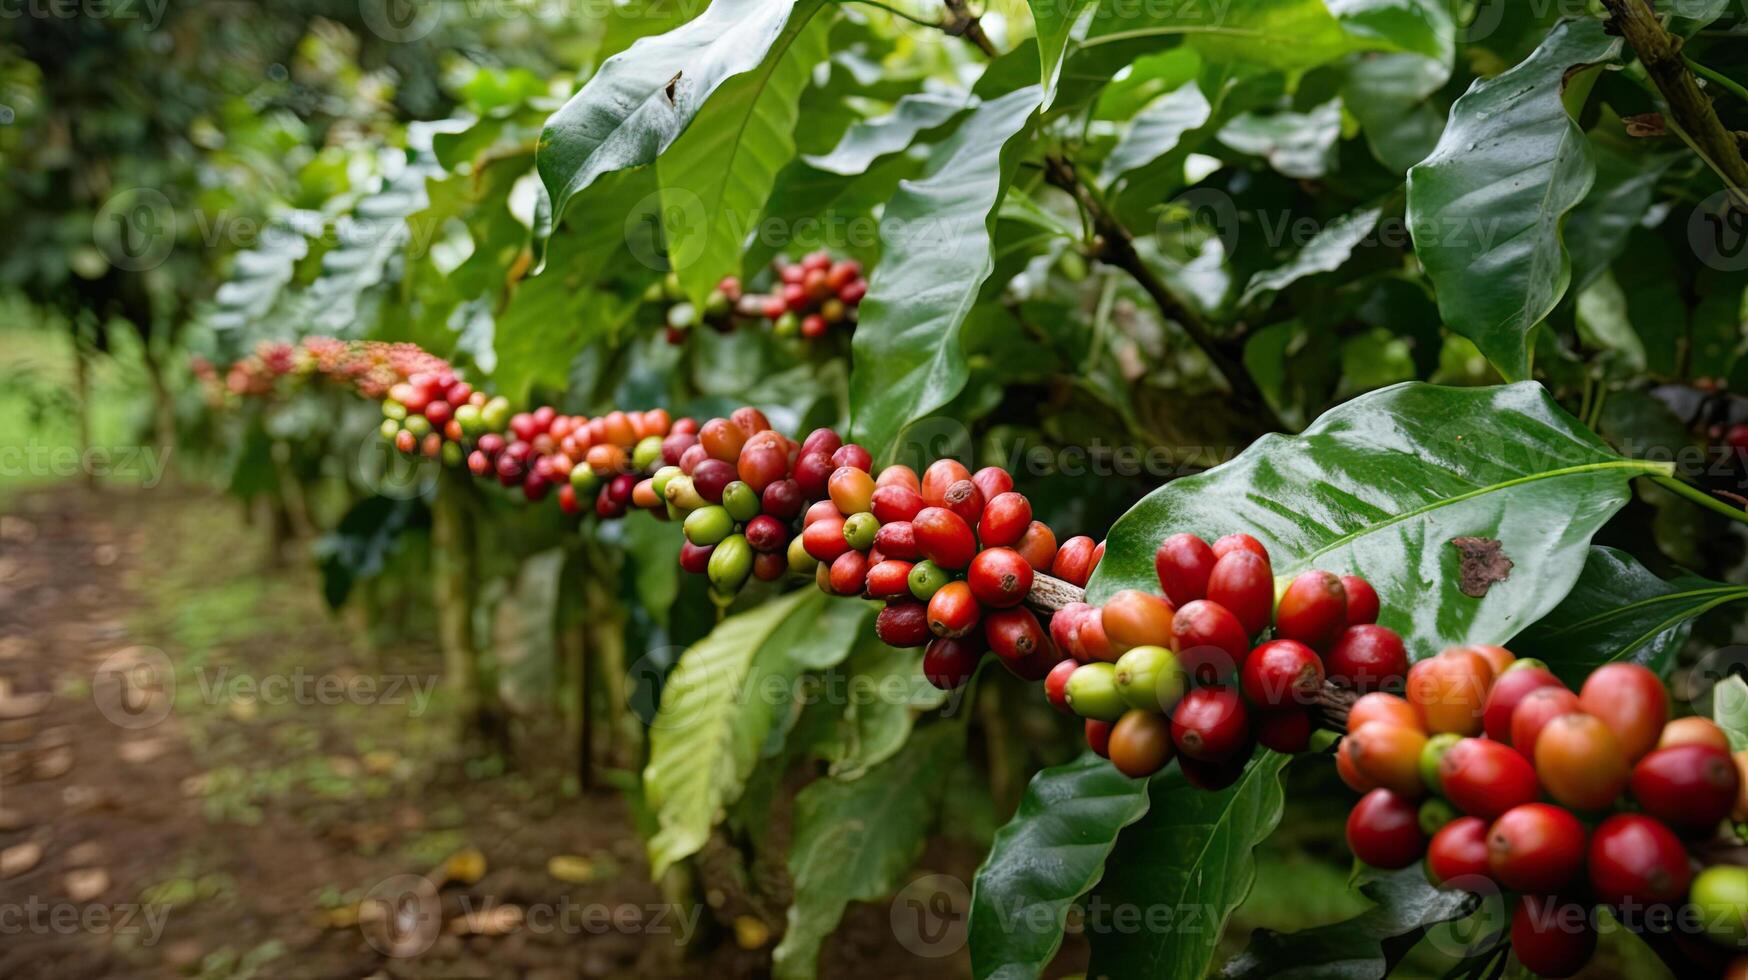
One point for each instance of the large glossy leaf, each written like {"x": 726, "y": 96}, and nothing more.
{"x": 641, "y": 99}
{"x": 1281, "y": 35}
{"x": 1325, "y": 252}
{"x": 1421, "y": 27}
{"x": 1184, "y": 866}
{"x": 1045, "y": 858}
{"x": 242, "y": 304}
{"x": 1486, "y": 208}
{"x": 938, "y": 232}
{"x": 871, "y": 139}
{"x": 1053, "y": 21}
{"x": 1364, "y": 947}
{"x": 1620, "y": 610}
{"x": 1382, "y": 485}
{"x": 718, "y": 175}
{"x": 1296, "y": 144}
{"x": 855, "y": 840}
{"x": 1156, "y": 130}
{"x": 1597, "y": 229}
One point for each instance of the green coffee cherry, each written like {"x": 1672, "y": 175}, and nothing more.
{"x": 682, "y": 494}
{"x": 495, "y": 414}
{"x": 1523, "y": 662}
{"x": 709, "y": 525}
{"x": 787, "y": 325}
{"x": 926, "y": 578}
{"x": 1430, "y": 756}
{"x": 393, "y": 409}
{"x": 647, "y": 453}
{"x": 1434, "y": 814}
{"x": 859, "y": 531}
{"x": 659, "y": 482}
{"x": 1092, "y": 692}
{"x": 1150, "y": 678}
{"x": 390, "y": 429}
{"x": 730, "y": 563}
{"x": 1720, "y": 894}
{"x": 418, "y": 425}
{"x": 716, "y": 305}
{"x": 468, "y": 417}
{"x": 741, "y": 500}
{"x": 584, "y": 480}
{"x": 800, "y": 562}
{"x": 452, "y": 454}
{"x": 653, "y": 293}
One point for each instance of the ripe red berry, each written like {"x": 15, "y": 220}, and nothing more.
{"x": 1038, "y": 546}
{"x": 1285, "y": 730}
{"x": 897, "y": 540}
{"x": 694, "y": 558}
{"x": 1239, "y": 542}
{"x": 1281, "y": 672}
{"x": 1690, "y": 787}
{"x": 1362, "y": 600}
{"x": 1243, "y": 583}
{"x": 781, "y": 499}
{"x": 1366, "y": 658}
{"x": 1005, "y": 519}
{"x": 1579, "y": 762}
{"x": 1535, "y": 847}
{"x": 1485, "y": 779}
{"x": 1098, "y": 737}
{"x": 1063, "y": 624}
{"x": 940, "y": 475}
{"x": 1458, "y": 853}
{"x": 896, "y": 502}
{"x": 886, "y": 579}
{"x": 963, "y": 498}
{"x": 849, "y": 573}
{"x": 999, "y": 577}
{"x": 1014, "y": 635}
{"x": 824, "y": 538}
{"x": 992, "y": 481}
{"x": 1635, "y": 859}
{"x": 1313, "y": 610}
{"x": 1507, "y": 692}
{"x": 762, "y": 465}
{"x": 851, "y": 454}
{"x": 1183, "y": 563}
{"x": 1056, "y": 685}
{"x": 953, "y": 610}
{"x": 1533, "y": 713}
{"x": 812, "y": 472}
{"x": 1210, "y": 724}
{"x": 1210, "y": 641}
{"x": 478, "y": 463}
{"x": 767, "y": 534}
{"x": 1383, "y": 830}
{"x": 949, "y": 663}
{"x": 944, "y": 537}
{"x": 1630, "y": 700}
{"x": 1074, "y": 560}
{"x": 770, "y": 566}
{"x": 821, "y": 440}
{"x": 903, "y": 624}
{"x": 711, "y": 477}
{"x": 1551, "y": 936}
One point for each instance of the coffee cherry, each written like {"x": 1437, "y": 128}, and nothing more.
{"x": 953, "y": 610}
{"x": 1098, "y": 737}
{"x": 1367, "y": 657}
{"x": 1449, "y": 690}
{"x": 730, "y": 564}
{"x": 1015, "y": 635}
{"x": 1209, "y": 639}
{"x": 900, "y": 475}
{"x": 1458, "y": 852}
{"x": 852, "y": 455}
{"x": 1388, "y": 755}
{"x": 1362, "y": 600}
{"x": 1313, "y": 610}
{"x": 1507, "y": 692}
{"x": 1720, "y": 894}
{"x": 1485, "y": 779}
{"x": 1133, "y": 618}
{"x": 927, "y": 578}
{"x": 1285, "y": 730}
{"x": 722, "y": 439}
{"x": 1497, "y": 657}
{"x": 691, "y": 459}
{"x": 1693, "y": 730}
{"x": 897, "y": 540}
{"x": 999, "y": 577}
{"x": 1004, "y": 520}
{"x": 1092, "y": 692}
{"x": 1690, "y": 787}
{"x": 769, "y": 567}
{"x": 849, "y": 573}
{"x": 1379, "y": 706}
{"x": 762, "y": 465}
{"x": 944, "y": 537}
{"x": 710, "y": 478}
{"x": 708, "y": 525}
{"x": 851, "y": 489}
{"x": 895, "y": 503}
{"x": 620, "y": 489}
{"x": 1183, "y": 563}
{"x": 1355, "y": 780}
{"x": 1239, "y": 542}
{"x": 1150, "y": 678}
{"x": 1579, "y": 762}
{"x": 695, "y": 559}
{"x": 1637, "y": 859}
{"x": 860, "y": 531}
{"x": 1533, "y": 713}
{"x": 963, "y": 498}
{"x": 812, "y": 473}
{"x": 1383, "y": 830}
{"x": 1140, "y": 743}
{"x": 1281, "y": 672}
{"x": 949, "y": 663}
{"x": 889, "y": 579}
{"x": 1210, "y": 724}
{"x": 1243, "y": 582}
{"x": 903, "y": 624}
{"x": 1090, "y": 641}
{"x": 767, "y": 534}
{"x": 1056, "y": 685}
{"x": 824, "y": 539}
{"x": 1432, "y": 755}
{"x": 993, "y": 481}
{"x": 741, "y": 500}
{"x": 1629, "y": 699}
{"x": 940, "y": 475}
{"x": 1552, "y": 937}
{"x": 1038, "y": 546}
{"x": 1063, "y": 623}
{"x": 1535, "y": 847}
{"x": 1073, "y": 562}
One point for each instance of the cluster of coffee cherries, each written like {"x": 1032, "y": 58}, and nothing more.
{"x": 812, "y": 296}
{"x": 1181, "y": 674}
{"x": 1503, "y": 778}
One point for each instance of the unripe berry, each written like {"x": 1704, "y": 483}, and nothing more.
{"x": 1378, "y": 706}
{"x": 1092, "y": 692}
{"x": 1151, "y": 678}
{"x": 1449, "y": 690}
{"x": 900, "y": 475}
{"x": 708, "y": 525}
{"x": 730, "y": 564}
{"x": 1388, "y": 755}
{"x": 851, "y": 489}
{"x": 1140, "y": 743}
{"x": 1580, "y": 763}
{"x": 926, "y": 578}
{"x": 1693, "y": 730}
{"x": 741, "y": 501}
{"x": 860, "y": 531}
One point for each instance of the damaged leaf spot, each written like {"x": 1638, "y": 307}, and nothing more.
{"x": 1483, "y": 562}
{"x": 673, "y": 83}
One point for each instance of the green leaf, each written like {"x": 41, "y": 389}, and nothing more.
{"x": 1332, "y": 246}
{"x": 1381, "y": 485}
{"x": 1044, "y": 859}
{"x": 887, "y": 691}
{"x": 1156, "y": 130}
{"x": 1298, "y": 145}
{"x": 1597, "y": 229}
{"x": 1421, "y": 27}
{"x": 1388, "y": 94}
{"x": 1276, "y": 35}
{"x": 1364, "y": 947}
{"x": 1620, "y": 610}
{"x": 640, "y": 100}
{"x": 1054, "y": 20}
{"x": 1187, "y": 864}
{"x": 938, "y": 231}
{"x": 1486, "y": 208}
{"x": 1689, "y": 17}
{"x": 871, "y": 139}
{"x": 717, "y": 177}
{"x": 258, "y": 277}
{"x": 855, "y": 840}
{"x": 360, "y": 545}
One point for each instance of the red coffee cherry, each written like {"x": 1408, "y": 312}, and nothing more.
{"x": 1485, "y": 779}
{"x": 1281, "y": 672}
{"x": 1362, "y": 600}
{"x": 896, "y": 503}
{"x": 1210, "y": 724}
{"x": 1091, "y": 642}
{"x": 1690, "y": 787}
{"x": 1367, "y": 657}
{"x": 1458, "y": 851}
{"x": 1005, "y": 520}
{"x": 1183, "y": 563}
{"x": 963, "y": 498}
{"x": 1140, "y": 743}
{"x": 1693, "y": 730}
{"x": 1285, "y": 730}
{"x": 1038, "y": 546}
{"x": 1015, "y": 635}
{"x": 749, "y": 419}
{"x": 821, "y": 440}
{"x": 1355, "y": 780}
{"x": 1073, "y": 563}
{"x": 1056, "y": 686}
{"x": 767, "y": 534}
{"x": 1631, "y": 701}
{"x": 1449, "y": 690}
{"x": 1379, "y": 706}
{"x": 887, "y": 579}
{"x": 1635, "y": 859}
{"x": 1533, "y": 713}
{"x": 1239, "y": 542}
{"x": 711, "y": 477}
{"x": 770, "y": 566}
{"x": 1098, "y": 737}
{"x": 1212, "y": 777}
{"x": 762, "y": 465}
{"x": 1133, "y": 618}
{"x": 781, "y": 499}
{"x": 1580, "y": 763}
{"x": 1387, "y": 755}
{"x": 999, "y": 577}
{"x": 949, "y": 663}
{"x": 940, "y": 475}
{"x": 1551, "y": 936}
{"x": 1508, "y": 691}
{"x": 1063, "y": 623}
{"x": 1535, "y": 847}
{"x": 899, "y": 475}
{"x": 812, "y": 471}
{"x": 944, "y": 537}
{"x": 695, "y": 560}
{"x": 953, "y": 610}
{"x": 849, "y": 573}
{"x": 993, "y": 481}
{"x": 1243, "y": 583}
{"x": 1210, "y": 641}
{"x": 722, "y": 439}
{"x": 820, "y": 510}
{"x": 903, "y": 624}
{"x": 850, "y": 454}
{"x": 897, "y": 540}
{"x": 1383, "y": 830}
{"x": 1313, "y": 610}
{"x": 824, "y": 538}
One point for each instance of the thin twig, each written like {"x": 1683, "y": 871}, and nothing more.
{"x": 1716, "y": 76}
{"x": 901, "y": 15}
